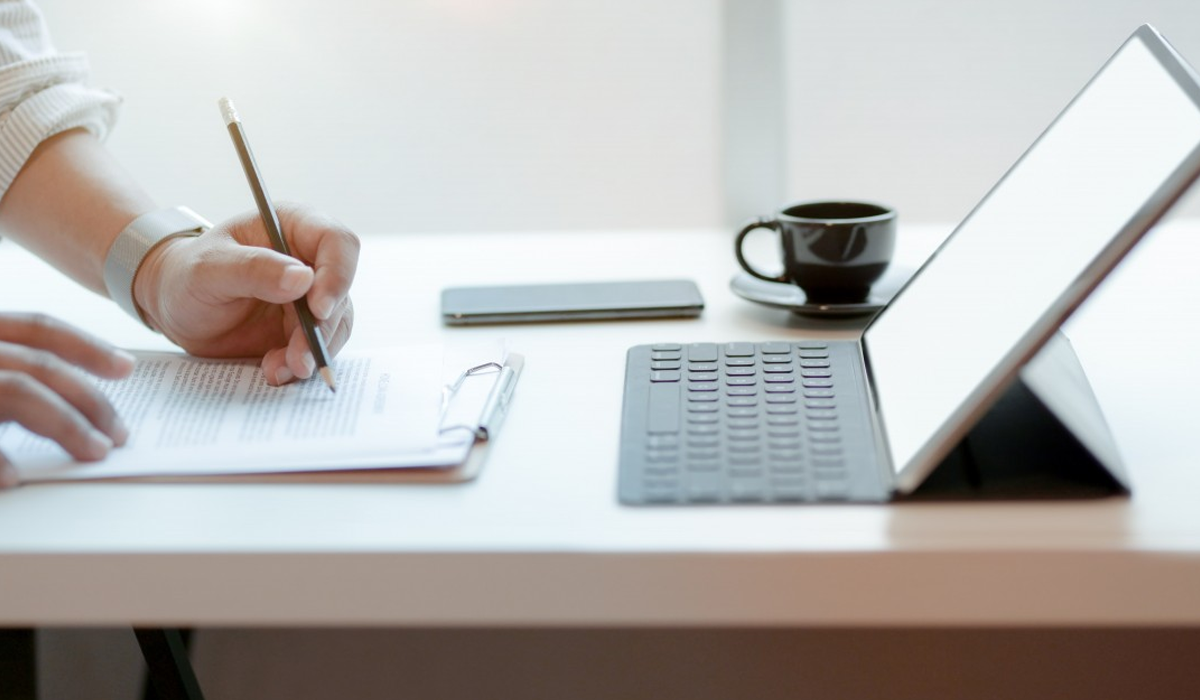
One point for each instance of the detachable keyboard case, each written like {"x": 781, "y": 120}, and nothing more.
{"x": 1044, "y": 438}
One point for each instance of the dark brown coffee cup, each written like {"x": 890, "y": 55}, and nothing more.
{"x": 833, "y": 250}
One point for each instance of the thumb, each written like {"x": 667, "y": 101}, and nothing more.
{"x": 239, "y": 272}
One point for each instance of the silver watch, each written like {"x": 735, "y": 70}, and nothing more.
{"x": 137, "y": 240}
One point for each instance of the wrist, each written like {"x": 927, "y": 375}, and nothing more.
{"x": 148, "y": 282}
{"x": 133, "y": 247}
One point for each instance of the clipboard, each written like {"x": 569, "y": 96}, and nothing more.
{"x": 503, "y": 383}
{"x": 462, "y": 420}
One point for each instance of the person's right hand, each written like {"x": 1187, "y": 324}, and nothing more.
{"x": 43, "y": 389}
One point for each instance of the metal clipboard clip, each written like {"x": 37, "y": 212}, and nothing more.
{"x": 496, "y": 406}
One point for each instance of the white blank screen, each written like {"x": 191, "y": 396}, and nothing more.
{"x": 1025, "y": 245}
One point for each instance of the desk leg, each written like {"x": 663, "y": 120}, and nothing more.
{"x": 170, "y": 671}
{"x": 18, "y": 667}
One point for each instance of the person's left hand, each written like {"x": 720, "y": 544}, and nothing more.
{"x": 226, "y": 293}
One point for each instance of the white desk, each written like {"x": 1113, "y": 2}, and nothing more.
{"x": 539, "y": 538}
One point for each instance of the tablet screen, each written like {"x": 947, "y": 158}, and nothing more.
{"x": 1031, "y": 251}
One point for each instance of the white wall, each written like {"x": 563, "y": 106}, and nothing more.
{"x": 925, "y": 103}
{"x": 419, "y": 114}
{"x": 577, "y": 114}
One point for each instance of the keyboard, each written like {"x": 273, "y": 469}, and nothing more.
{"x": 743, "y": 423}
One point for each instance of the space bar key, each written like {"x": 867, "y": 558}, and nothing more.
{"x": 663, "y": 416}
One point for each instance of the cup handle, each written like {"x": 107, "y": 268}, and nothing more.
{"x": 737, "y": 249}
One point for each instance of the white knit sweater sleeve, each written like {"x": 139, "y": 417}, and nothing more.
{"x": 42, "y": 92}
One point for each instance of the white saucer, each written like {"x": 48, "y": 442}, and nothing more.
{"x": 783, "y": 295}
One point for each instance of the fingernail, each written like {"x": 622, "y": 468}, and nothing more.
{"x": 98, "y": 444}
{"x": 323, "y": 307}
{"x": 310, "y": 364}
{"x": 294, "y": 279}
{"x": 283, "y": 375}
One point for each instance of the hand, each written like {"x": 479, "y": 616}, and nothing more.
{"x": 226, "y": 293}
{"x": 42, "y": 388}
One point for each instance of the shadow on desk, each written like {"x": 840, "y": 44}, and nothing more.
{"x": 674, "y": 664}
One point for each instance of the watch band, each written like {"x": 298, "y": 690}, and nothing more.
{"x": 137, "y": 240}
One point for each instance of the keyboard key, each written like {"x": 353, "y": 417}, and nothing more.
{"x": 664, "y": 376}
{"x": 703, "y": 377}
{"x": 702, "y": 352}
{"x": 703, "y": 418}
{"x": 741, "y": 381}
{"x": 816, "y": 373}
{"x": 812, "y": 345}
{"x": 697, "y": 395}
{"x": 781, "y": 420}
{"x": 739, "y": 350}
{"x": 821, "y": 415}
{"x": 778, "y": 408}
{"x": 702, "y": 386}
{"x": 779, "y": 379}
{"x": 778, "y": 369}
{"x": 699, "y": 407}
{"x": 818, "y": 383}
{"x": 815, "y": 393}
{"x": 703, "y": 367}
{"x": 668, "y": 347}
{"x": 674, "y": 364}
{"x": 780, "y": 388}
{"x": 775, "y": 349}
{"x": 741, "y": 401}
{"x": 738, "y": 362}
{"x": 813, "y": 363}
{"x": 777, "y": 359}
{"x": 806, "y": 354}
{"x": 745, "y": 470}
{"x": 703, "y": 429}
{"x": 665, "y": 356}
{"x": 741, "y": 371}
{"x": 781, "y": 398}
{"x": 741, "y": 391}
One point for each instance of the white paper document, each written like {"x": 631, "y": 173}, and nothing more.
{"x": 393, "y": 409}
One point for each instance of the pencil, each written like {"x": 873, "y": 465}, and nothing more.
{"x": 316, "y": 344}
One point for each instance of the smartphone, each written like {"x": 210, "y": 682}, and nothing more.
{"x": 571, "y": 302}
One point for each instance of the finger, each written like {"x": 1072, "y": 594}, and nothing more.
{"x": 341, "y": 332}
{"x": 8, "y": 474}
{"x": 274, "y": 367}
{"x": 332, "y": 249}
{"x": 67, "y": 382}
{"x": 234, "y": 271}
{"x": 300, "y": 358}
{"x": 71, "y": 344}
{"x": 30, "y": 403}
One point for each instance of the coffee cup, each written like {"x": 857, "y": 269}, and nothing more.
{"x": 833, "y": 250}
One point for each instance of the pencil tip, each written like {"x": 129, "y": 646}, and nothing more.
{"x": 327, "y": 375}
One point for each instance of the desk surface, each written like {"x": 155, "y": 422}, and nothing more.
{"x": 539, "y": 538}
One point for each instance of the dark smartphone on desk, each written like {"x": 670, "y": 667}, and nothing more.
{"x": 579, "y": 301}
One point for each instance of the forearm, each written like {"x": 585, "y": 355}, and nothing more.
{"x": 69, "y": 202}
